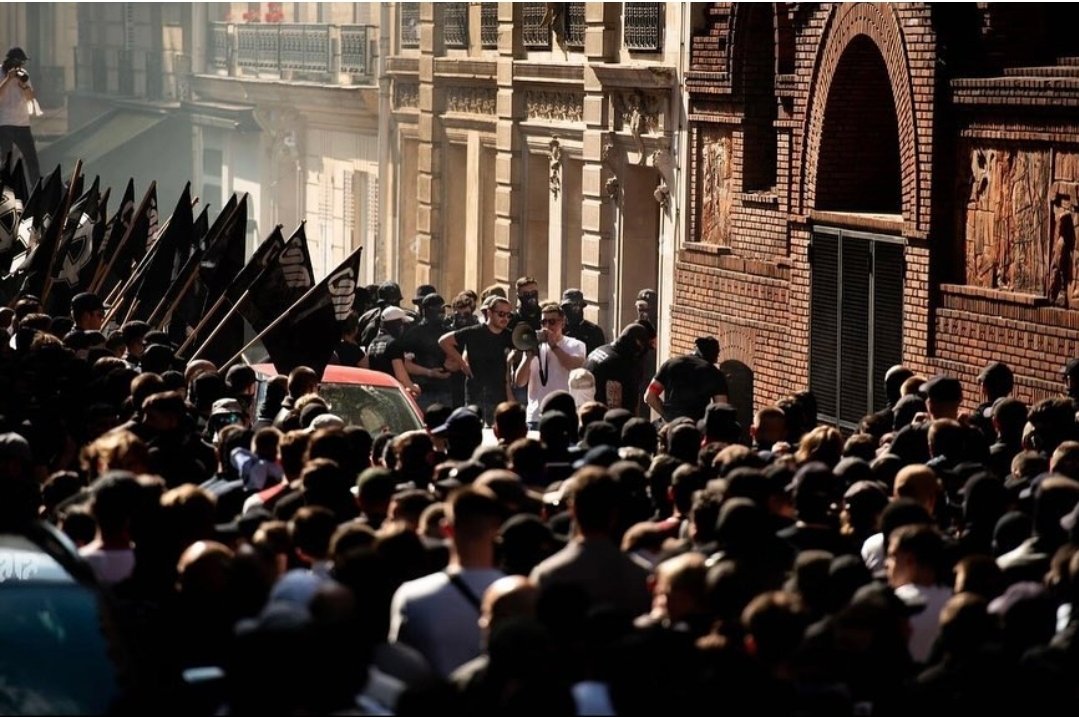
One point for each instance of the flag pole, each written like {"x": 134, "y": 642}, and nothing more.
{"x": 220, "y": 327}
{"x": 51, "y": 267}
{"x": 201, "y": 325}
{"x": 161, "y": 310}
{"x": 95, "y": 286}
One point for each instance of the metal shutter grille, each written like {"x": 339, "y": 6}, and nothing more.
{"x": 854, "y": 331}
{"x": 824, "y": 322}
{"x": 887, "y": 315}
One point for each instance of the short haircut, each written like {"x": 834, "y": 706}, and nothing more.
{"x": 594, "y": 497}
{"x": 464, "y": 301}
{"x": 552, "y": 307}
{"x": 266, "y": 442}
{"x": 917, "y": 482}
{"x": 923, "y": 543}
{"x": 474, "y": 512}
{"x": 946, "y": 438}
{"x": 525, "y": 281}
{"x": 311, "y": 530}
{"x": 301, "y": 380}
{"x": 293, "y": 447}
{"x": 510, "y": 420}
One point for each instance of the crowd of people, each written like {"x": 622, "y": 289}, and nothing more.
{"x": 586, "y": 560}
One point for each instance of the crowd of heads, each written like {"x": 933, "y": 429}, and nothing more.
{"x": 600, "y": 563}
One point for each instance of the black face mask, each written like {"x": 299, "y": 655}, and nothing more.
{"x": 529, "y": 302}
{"x": 574, "y": 314}
{"x": 432, "y": 315}
{"x": 460, "y": 320}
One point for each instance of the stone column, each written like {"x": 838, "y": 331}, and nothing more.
{"x": 429, "y": 127}
{"x": 508, "y": 147}
{"x": 598, "y": 180}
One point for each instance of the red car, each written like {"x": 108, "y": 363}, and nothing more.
{"x": 371, "y": 399}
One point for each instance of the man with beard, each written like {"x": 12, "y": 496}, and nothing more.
{"x": 484, "y": 366}
{"x": 577, "y": 326}
{"x": 424, "y": 358}
{"x": 386, "y": 353}
{"x": 616, "y": 367}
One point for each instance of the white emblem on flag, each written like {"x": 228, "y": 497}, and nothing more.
{"x": 297, "y": 275}
{"x": 342, "y": 287}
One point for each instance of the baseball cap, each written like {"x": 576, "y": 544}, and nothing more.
{"x": 461, "y": 419}
{"x": 395, "y": 313}
{"x": 572, "y": 296}
{"x": 430, "y": 301}
{"x": 86, "y": 301}
{"x": 422, "y": 291}
{"x": 17, "y": 53}
{"x": 603, "y": 456}
{"x": 223, "y": 406}
{"x": 943, "y": 388}
{"x": 389, "y": 291}
{"x": 721, "y": 421}
{"x": 327, "y": 420}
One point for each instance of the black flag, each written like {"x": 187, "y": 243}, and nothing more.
{"x": 36, "y": 216}
{"x": 281, "y": 283}
{"x": 310, "y": 332}
{"x": 72, "y": 266}
{"x": 171, "y": 250}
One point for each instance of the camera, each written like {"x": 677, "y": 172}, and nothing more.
{"x": 21, "y": 74}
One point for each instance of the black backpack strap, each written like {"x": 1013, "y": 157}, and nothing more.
{"x": 466, "y": 592}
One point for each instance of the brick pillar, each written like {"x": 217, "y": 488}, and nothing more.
{"x": 429, "y": 165}
{"x": 597, "y": 209}
{"x": 508, "y": 146}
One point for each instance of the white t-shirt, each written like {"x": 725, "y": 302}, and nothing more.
{"x": 925, "y": 626}
{"x": 14, "y": 108}
{"x": 431, "y": 615}
{"x": 557, "y": 374}
{"x": 110, "y": 566}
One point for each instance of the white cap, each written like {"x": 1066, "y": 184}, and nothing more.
{"x": 582, "y": 386}
{"x": 396, "y": 313}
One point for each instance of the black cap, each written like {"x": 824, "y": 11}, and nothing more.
{"x": 461, "y": 420}
{"x": 721, "y": 421}
{"x": 429, "y": 301}
{"x": 85, "y": 302}
{"x": 648, "y": 295}
{"x": 422, "y": 291}
{"x": 389, "y": 291}
{"x": 994, "y": 370}
{"x": 16, "y": 53}
{"x": 574, "y": 296}
{"x": 1071, "y": 368}
{"x": 943, "y": 388}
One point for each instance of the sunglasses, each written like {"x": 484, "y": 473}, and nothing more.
{"x": 550, "y": 322}
{"x": 501, "y": 314}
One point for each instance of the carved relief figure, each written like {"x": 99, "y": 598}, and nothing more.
{"x": 1063, "y": 289}
{"x": 714, "y": 180}
{"x": 555, "y": 157}
{"x": 640, "y": 116}
{"x": 1006, "y": 246}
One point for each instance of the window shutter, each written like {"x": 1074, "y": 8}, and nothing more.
{"x": 887, "y": 315}
{"x": 854, "y": 330}
{"x": 824, "y": 323}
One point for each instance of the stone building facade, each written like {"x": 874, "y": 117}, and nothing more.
{"x": 875, "y": 183}
{"x": 536, "y": 139}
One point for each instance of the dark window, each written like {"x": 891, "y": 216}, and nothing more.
{"x": 759, "y": 91}
{"x": 575, "y": 25}
{"x": 644, "y": 26}
{"x": 455, "y": 24}
{"x": 489, "y": 25}
{"x": 410, "y": 24}
{"x": 856, "y": 322}
{"x": 535, "y": 34}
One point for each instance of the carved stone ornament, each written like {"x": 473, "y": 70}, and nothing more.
{"x": 714, "y": 182}
{"x": 1063, "y": 287}
{"x": 406, "y": 95}
{"x": 554, "y": 154}
{"x": 554, "y": 106}
{"x": 639, "y": 114}
{"x": 664, "y": 164}
{"x": 466, "y": 99}
{"x": 284, "y": 127}
{"x": 1006, "y": 217}
{"x": 612, "y": 185}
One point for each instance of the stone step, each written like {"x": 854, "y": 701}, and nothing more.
{"x": 1050, "y": 71}
{"x": 1068, "y": 61}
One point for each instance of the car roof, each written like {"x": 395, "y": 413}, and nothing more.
{"x": 343, "y": 374}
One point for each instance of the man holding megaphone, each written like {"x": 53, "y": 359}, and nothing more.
{"x": 549, "y": 357}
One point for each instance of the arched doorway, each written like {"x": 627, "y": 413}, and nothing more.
{"x": 740, "y": 392}
{"x": 856, "y": 295}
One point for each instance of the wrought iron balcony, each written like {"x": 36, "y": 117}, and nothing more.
{"x": 644, "y": 26}
{"x": 319, "y": 53}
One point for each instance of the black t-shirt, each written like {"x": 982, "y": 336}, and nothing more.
{"x": 348, "y": 354}
{"x": 689, "y": 382}
{"x": 486, "y": 353}
{"x": 589, "y": 333}
{"x": 422, "y": 342}
{"x": 609, "y": 366}
{"x": 382, "y": 351}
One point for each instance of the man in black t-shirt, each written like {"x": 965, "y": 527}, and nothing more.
{"x": 577, "y": 326}
{"x": 688, "y": 383}
{"x": 615, "y": 367}
{"x": 484, "y": 364}
{"x": 424, "y": 359}
{"x": 387, "y": 347}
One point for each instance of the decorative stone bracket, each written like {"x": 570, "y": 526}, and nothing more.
{"x": 612, "y": 186}
{"x": 663, "y": 162}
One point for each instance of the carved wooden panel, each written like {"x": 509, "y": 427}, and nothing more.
{"x": 714, "y": 185}
{"x": 1005, "y": 218}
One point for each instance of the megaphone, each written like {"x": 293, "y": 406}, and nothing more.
{"x": 524, "y": 337}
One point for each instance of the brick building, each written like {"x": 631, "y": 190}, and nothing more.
{"x": 876, "y": 183}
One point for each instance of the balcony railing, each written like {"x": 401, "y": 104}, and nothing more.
{"x": 644, "y": 26}
{"x": 116, "y": 71}
{"x": 489, "y": 25}
{"x": 574, "y": 25}
{"x": 455, "y": 24}
{"x": 409, "y": 20}
{"x": 536, "y": 35}
{"x": 320, "y": 53}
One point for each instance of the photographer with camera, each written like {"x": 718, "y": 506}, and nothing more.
{"x": 545, "y": 369}
{"x": 17, "y": 104}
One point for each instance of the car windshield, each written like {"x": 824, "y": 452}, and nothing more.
{"x": 54, "y": 657}
{"x": 373, "y": 407}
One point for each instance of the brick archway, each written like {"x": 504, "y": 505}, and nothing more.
{"x": 879, "y": 23}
